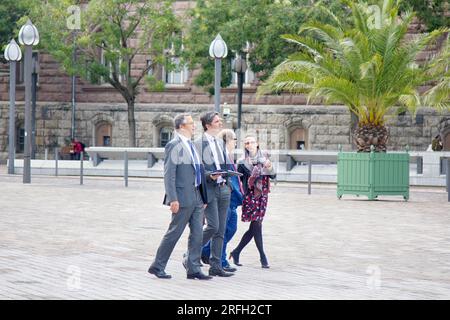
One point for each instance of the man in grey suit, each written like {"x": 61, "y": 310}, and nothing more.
{"x": 218, "y": 189}
{"x": 184, "y": 183}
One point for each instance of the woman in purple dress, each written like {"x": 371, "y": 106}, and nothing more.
{"x": 257, "y": 170}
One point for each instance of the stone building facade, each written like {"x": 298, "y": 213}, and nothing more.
{"x": 277, "y": 126}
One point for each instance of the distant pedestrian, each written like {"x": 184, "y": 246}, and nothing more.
{"x": 75, "y": 149}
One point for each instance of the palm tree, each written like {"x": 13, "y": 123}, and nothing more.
{"x": 367, "y": 65}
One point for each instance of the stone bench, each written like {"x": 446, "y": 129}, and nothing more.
{"x": 320, "y": 157}
{"x": 64, "y": 153}
{"x": 98, "y": 154}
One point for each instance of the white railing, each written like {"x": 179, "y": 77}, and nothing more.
{"x": 426, "y": 168}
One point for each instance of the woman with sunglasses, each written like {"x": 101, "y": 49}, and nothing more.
{"x": 257, "y": 171}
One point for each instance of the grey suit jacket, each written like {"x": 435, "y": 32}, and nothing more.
{"x": 204, "y": 148}
{"x": 179, "y": 175}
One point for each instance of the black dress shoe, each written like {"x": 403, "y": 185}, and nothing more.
{"x": 220, "y": 273}
{"x": 199, "y": 276}
{"x": 205, "y": 259}
{"x": 229, "y": 269}
{"x": 159, "y": 273}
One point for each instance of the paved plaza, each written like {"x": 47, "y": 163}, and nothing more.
{"x": 60, "y": 240}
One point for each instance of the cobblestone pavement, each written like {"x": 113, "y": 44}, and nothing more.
{"x": 60, "y": 240}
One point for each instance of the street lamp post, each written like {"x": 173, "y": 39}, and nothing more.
{"x": 34, "y": 76}
{"x": 74, "y": 81}
{"x": 240, "y": 67}
{"x": 28, "y": 36}
{"x": 12, "y": 54}
{"x": 217, "y": 50}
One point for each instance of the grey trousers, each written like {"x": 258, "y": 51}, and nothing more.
{"x": 216, "y": 218}
{"x": 186, "y": 215}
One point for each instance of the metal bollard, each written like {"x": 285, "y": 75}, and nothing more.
{"x": 81, "y": 167}
{"x": 151, "y": 160}
{"x": 46, "y": 154}
{"x": 126, "y": 169}
{"x": 448, "y": 179}
{"x": 419, "y": 165}
{"x": 309, "y": 176}
{"x": 56, "y": 161}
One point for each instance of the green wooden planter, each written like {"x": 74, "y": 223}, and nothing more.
{"x": 373, "y": 174}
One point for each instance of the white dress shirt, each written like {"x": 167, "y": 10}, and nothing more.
{"x": 217, "y": 158}
{"x": 185, "y": 140}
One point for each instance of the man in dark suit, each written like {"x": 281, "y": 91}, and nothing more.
{"x": 184, "y": 183}
{"x": 218, "y": 188}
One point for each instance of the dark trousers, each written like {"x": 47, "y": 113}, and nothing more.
{"x": 216, "y": 218}
{"x": 186, "y": 215}
{"x": 230, "y": 231}
{"x": 253, "y": 232}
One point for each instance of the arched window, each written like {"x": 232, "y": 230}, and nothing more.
{"x": 446, "y": 141}
{"x": 20, "y": 138}
{"x": 298, "y": 139}
{"x": 165, "y": 135}
{"x": 103, "y": 134}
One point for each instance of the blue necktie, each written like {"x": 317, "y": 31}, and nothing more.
{"x": 198, "y": 174}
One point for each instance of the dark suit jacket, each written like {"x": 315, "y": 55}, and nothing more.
{"x": 207, "y": 156}
{"x": 179, "y": 175}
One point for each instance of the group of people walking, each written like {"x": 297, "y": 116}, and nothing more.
{"x": 203, "y": 185}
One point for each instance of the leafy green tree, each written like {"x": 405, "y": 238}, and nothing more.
{"x": 434, "y": 13}
{"x": 121, "y": 29}
{"x": 252, "y": 24}
{"x": 10, "y": 12}
{"x": 368, "y": 66}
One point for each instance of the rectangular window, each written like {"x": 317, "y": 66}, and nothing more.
{"x": 20, "y": 72}
{"x": 20, "y": 140}
{"x": 249, "y": 76}
{"x": 106, "y": 141}
{"x": 35, "y": 66}
{"x": 20, "y": 68}
{"x": 178, "y": 75}
{"x": 113, "y": 66}
{"x": 300, "y": 145}
{"x": 165, "y": 136}
{"x": 150, "y": 70}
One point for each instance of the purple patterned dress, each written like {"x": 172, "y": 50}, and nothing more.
{"x": 255, "y": 204}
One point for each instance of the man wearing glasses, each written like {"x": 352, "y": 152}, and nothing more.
{"x": 184, "y": 182}
{"x": 218, "y": 189}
